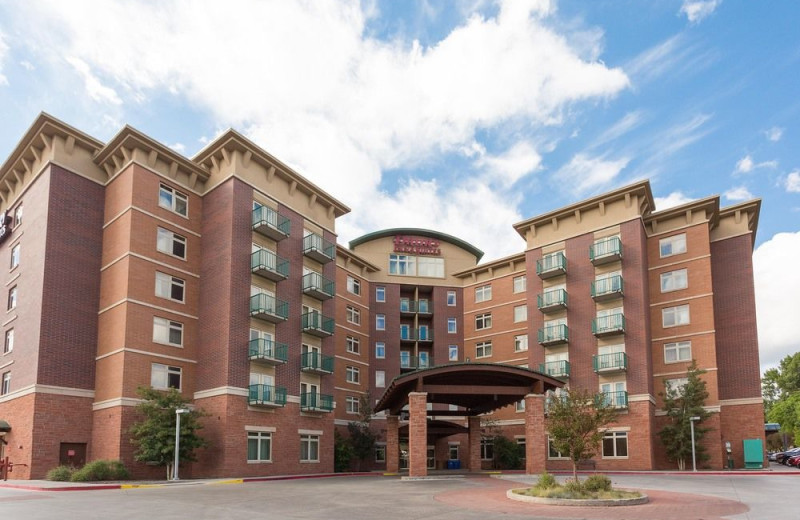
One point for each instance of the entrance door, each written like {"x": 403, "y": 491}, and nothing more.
{"x": 72, "y": 454}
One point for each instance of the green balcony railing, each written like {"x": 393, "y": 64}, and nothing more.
{"x": 612, "y": 324}
{"x": 552, "y": 299}
{"x": 555, "y": 368}
{"x": 412, "y": 334}
{"x": 409, "y": 362}
{"x": 553, "y": 334}
{"x": 316, "y": 247}
{"x": 414, "y": 306}
{"x": 616, "y": 361}
{"x": 605, "y": 287}
{"x": 269, "y": 222}
{"x": 551, "y": 265}
{"x": 268, "y": 350}
{"x": 269, "y": 264}
{"x": 314, "y": 402}
{"x": 618, "y": 399}
{"x": 606, "y": 250}
{"x": 317, "y": 285}
{"x": 316, "y": 362}
{"x": 317, "y": 324}
{"x": 266, "y": 395}
{"x": 268, "y": 307}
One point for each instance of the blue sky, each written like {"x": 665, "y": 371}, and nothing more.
{"x": 462, "y": 116}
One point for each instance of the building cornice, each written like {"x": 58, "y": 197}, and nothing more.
{"x": 345, "y": 257}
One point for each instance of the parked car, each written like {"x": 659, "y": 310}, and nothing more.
{"x": 771, "y": 456}
{"x": 783, "y": 456}
{"x": 793, "y": 461}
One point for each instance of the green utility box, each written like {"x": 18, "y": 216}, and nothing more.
{"x": 753, "y": 453}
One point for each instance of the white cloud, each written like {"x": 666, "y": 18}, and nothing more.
{"x": 584, "y": 174}
{"x": 676, "y": 198}
{"x": 777, "y": 284}
{"x": 509, "y": 167}
{"x": 27, "y": 65}
{"x": 3, "y": 52}
{"x": 695, "y": 11}
{"x": 738, "y": 193}
{"x": 628, "y": 122}
{"x": 178, "y": 147}
{"x": 793, "y": 182}
{"x": 94, "y": 88}
{"x": 774, "y": 134}
{"x": 747, "y": 165}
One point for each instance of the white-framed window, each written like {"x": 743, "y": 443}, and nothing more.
{"x": 380, "y": 453}
{"x": 424, "y": 360}
{"x": 452, "y": 326}
{"x": 353, "y": 375}
{"x": 12, "y": 298}
{"x": 553, "y": 260}
{"x": 171, "y": 243}
{"x": 14, "y": 256}
{"x": 483, "y": 321}
{"x": 380, "y": 322}
{"x": 5, "y": 385}
{"x": 487, "y": 449}
{"x": 380, "y": 294}
{"x": 405, "y": 359}
{"x": 520, "y": 313}
{"x": 18, "y": 216}
{"x": 674, "y": 280}
{"x": 519, "y": 406}
{"x": 520, "y": 342}
{"x": 353, "y": 285}
{"x": 483, "y": 293}
{"x": 309, "y": 448}
{"x": 380, "y": 350}
{"x": 353, "y": 315}
{"x": 614, "y": 393}
{"x": 173, "y": 200}
{"x": 380, "y": 379}
{"x": 259, "y": 447}
{"x": 674, "y": 245}
{"x": 8, "y": 346}
{"x": 430, "y": 267}
{"x": 164, "y": 377}
{"x": 520, "y": 283}
{"x": 423, "y": 333}
{"x": 167, "y": 332}
{"x": 451, "y": 298}
{"x": 352, "y": 404}
{"x": 553, "y": 453}
{"x": 452, "y": 451}
{"x": 615, "y": 445}
{"x": 675, "y": 316}
{"x": 676, "y": 384}
{"x": 353, "y": 345}
{"x": 483, "y": 349}
{"x": 678, "y": 351}
{"x": 452, "y": 353}
{"x": 403, "y": 265}
{"x": 170, "y": 287}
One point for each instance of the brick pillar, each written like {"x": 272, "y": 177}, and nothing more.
{"x": 392, "y": 444}
{"x": 474, "y": 444}
{"x": 535, "y": 438}
{"x": 418, "y": 434}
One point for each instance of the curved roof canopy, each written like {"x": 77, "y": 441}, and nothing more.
{"x": 443, "y": 237}
{"x": 477, "y": 387}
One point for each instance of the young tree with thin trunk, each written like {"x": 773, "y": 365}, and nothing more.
{"x": 681, "y": 403}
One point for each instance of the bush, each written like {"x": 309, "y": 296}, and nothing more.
{"x": 101, "y": 470}
{"x": 546, "y": 481}
{"x": 597, "y": 483}
{"x": 507, "y": 453}
{"x": 60, "y": 473}
{"x": 574, "y": 486}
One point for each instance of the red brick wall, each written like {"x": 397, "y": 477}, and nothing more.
{"x": 19, "y": 414}
{"x": 738, "y": 423}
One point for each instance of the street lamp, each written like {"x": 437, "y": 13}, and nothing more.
{"x": 694, "y": 458}
{"x": 178, "y": 412}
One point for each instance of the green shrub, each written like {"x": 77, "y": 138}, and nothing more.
{"x": 507, "y": 453}
{"x": 597, "y": 483}
{"x": 60, "y": 473}
{"x": 101, "y": 470}
{"x": 546, "y": 481}
{"x": 574, "y": 486}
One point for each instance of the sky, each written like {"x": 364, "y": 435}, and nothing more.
{"x": 460, "y": 116}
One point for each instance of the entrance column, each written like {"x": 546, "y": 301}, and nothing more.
{"x": 535, "y": 438}
{"x": 418, "y": 434}
{"x": 392, "y": 444}
{"x": 474, "y": 443}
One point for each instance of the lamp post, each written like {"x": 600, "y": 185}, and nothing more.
{"x": 178, "y": 412}
{"x": 694, "y": 458}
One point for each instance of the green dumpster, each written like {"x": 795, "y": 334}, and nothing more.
{"x": 753, "y": 453}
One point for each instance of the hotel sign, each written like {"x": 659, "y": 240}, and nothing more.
{"x": 416, "y": 245}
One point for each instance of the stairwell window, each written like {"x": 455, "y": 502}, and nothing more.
{"x": 169, "y": 287}
{"x": 520, "y": 284}
{"x": 167, "y": 332}
{"x": 173, "y": 200}
{"x": 171, "y": 243}
{"x": 674, "y": 280}
{"x": 8, "y": 346}
{"x": 164, "y": 377}
{"x": 5, "y": 385}
{"x": 12, "y": 298}
{"x": 14, "y": 256}
{"x": 353, "y": 375}
{"x": 675, "y": 316}
{"x": 673, "y": 245}
{"x": 353, "y": 345}
{"x": 483, "y": 293}
{"x": 353, "y": 315}
{"x": 353, "y": 285}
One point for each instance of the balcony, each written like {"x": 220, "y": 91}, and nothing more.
{"x": 270, "y": 223}
{"x": 608, "y": 325}
{"x": 605, "y": 251}
{"x": 317, "y": 248}
{"x": 551, "y": 301}
{"x": 269, "y": 265}
{"x": 409, "y": 334}
{"x": 313, "y": 402}
{"x": 608, "y": 363}
{"x": 551, "y": 265}
{"x": 266, "y": 395}
{"x": 414, "y": 307}
{"x": 268, "y": 308}
{"x": 618, "y": 399}
{"x": 316, "y": 324}
{"x": 409, "y": 362}
{"x": 557, "y": 369}
{"x": 553, "y": 335}
{"x": 317, "y": 286}
{"x": 268, "y": 352}
{"x": 606, "y": 289}
{"x": 316, "y": 363}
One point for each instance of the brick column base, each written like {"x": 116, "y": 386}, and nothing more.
{"x": 418, "y": 434}
{"x": 474, "y": 444}
{"x": 392, "y": 444}
{"x": 535, "y": 438}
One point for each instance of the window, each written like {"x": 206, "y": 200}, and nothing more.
{"x": 353, "y": 315}
{"x": 483, "y": 349}
{"x": 680, "y": 351}
{"x": 452, "y": 452}
{"x": 171, "y": 243}
{"x": 452, "y": 353}
{"x": 403, "y": 265}
{"x": 487, "y": 449}
{"x": 422, "y": 306}
{"x": 380, "y": 379}
{"x": 163, "y": 377}
{"x": 424, "y": 359}
{"x": 423, "y": 333}
{"x": 520, "y": 313}
{"x": 451, "y": 298}
{"x": 380, "y": 294}
{"x": 615, "y": 445}
{"x": 5, "y": 387}
{"x": 673, "y": 245}
{"x": 451, "y": 326}
{"x": 18, "y": 216}
{"x": 353, "y": 375}
{"x": 352, "y": 404}
{"x": 520, "y": 283}
{"x": 380, "y": 453}
{"x": 483, "y": 321}
{"x": 405, "y": 359}
{"x": 674, "y": 316}
{"x": 519, "y": 406}
{"x": 430, "y": 267}
{"x": 676, "y": 384}
{"x": 615, "y": 394}
{"x": 8, "y": 346}
{"x": 167, "y": 331}
{"x": 309, "y": 448}
{"x": 173, "y": 200}
{"x": 259, "y": 447}
{"x": 353, "y": 285}
{"x": 520, "y": 343}
{"x": 552, "y": 453}
{"x": 169, "y": 287}
{"x": 14, "y": 256}
{"x": 405, "y": 331}
{"x": 483, "y": 293}
{"x": 380, "y": 322}
{"x": 674, "y": 280}
{"x": 353, "y": 345}
{"x": 380, "y": 350}
{"x": 12, "y": 298}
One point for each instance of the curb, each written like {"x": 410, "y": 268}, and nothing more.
{"x": 613, "y": 502}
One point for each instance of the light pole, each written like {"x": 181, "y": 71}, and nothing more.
{"x": 691, "y": 424}
{"x": 178, "y": 412}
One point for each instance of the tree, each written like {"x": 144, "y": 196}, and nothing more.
{"x": 780, "y": 383}
{"x": 681, "y": 403}
{"x": 576, "y": 421}
{"x": 786, "y": 412}
{"x": 154, "y": 434}
{"x": 362, "y": 439}
{"x": 507, "y": 453}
